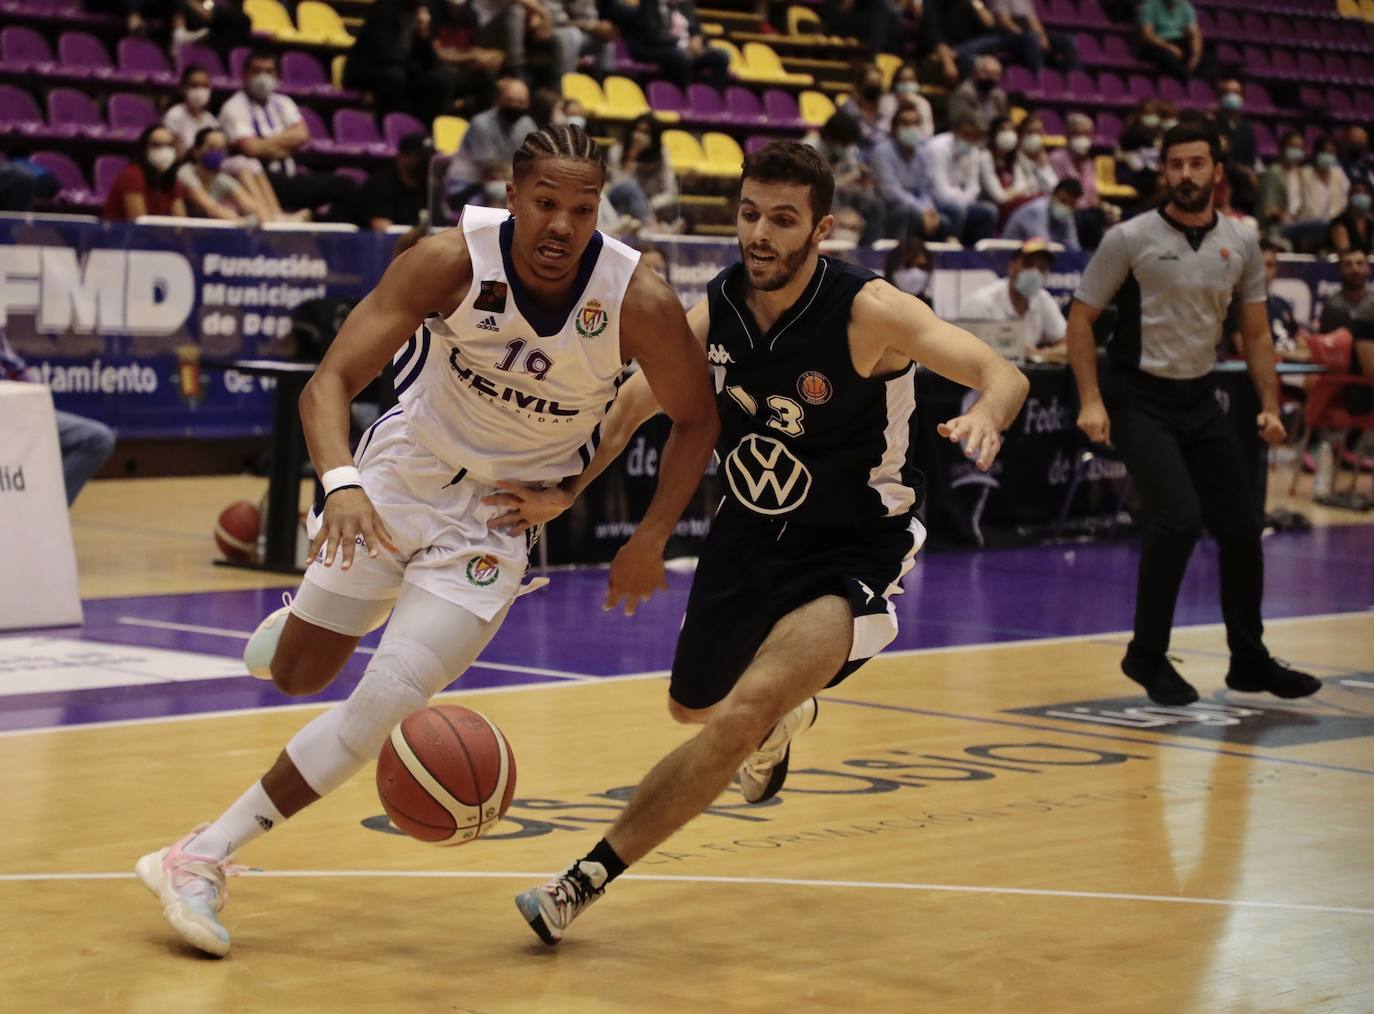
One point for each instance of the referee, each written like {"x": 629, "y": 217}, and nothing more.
{"x": 1171, "y": 273}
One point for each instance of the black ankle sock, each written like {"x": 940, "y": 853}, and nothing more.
{"x": 605, "y": 855}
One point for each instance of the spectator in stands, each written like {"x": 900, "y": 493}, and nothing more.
{"x": 955, "y": 162}
{"x": 981, "y": 93}
{"x": 396, "y": 193}
{"x": 1298, "y": 201}
{"x": 148, "y": 185}
{"x": 481, "y": 166}
{"x": 924, "y": 29}
{"x": 871, "y": 106}
{"x": 1075, "y": 159}
{"x": 1354, "y": 230}
{"x": 1138, "y": 151}
{"x": 1049, "y": 215}
{"x": 904, "y": 180}
{"x": 997, "y": 163}
{"x": 667, "y": 33}
{"x": 642, "y": 183}
{"x": 652, "y": 258}
{"x": 856, "y": 188}
{"x": 876, "y": 23}
{"x": 84, "y": 444}
{"x": 568, "y": 112}
{"x": 210, "y": 191}
{"x": 1325, "y": 192}
{"x": 192, "y": 114}
{"x": 465, "y": 71}
{"x": 1170, "y": 37}
{"x": 507, "y": 25}
{"x": 906, "y": 87}
{"x": 393, "y": 58}
{"x": 1354, "y": 300}
{"x": 23, "y": 181}
{"x": 220, "y": 24}
{"x": 578, "y": 30}
{"x": 263, "y": 124}
{"x": 1032, "y": 175}
{"x": 1290, "y": 337}
{"x": 1022, "y": 296}
{"x": 1355, "y": 154}
{"x": 910, "y": 267}
{"x": 1238, "y": 137}
{"x": 1022, "y": 37}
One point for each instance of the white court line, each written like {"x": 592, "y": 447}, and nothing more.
{"x": 863, "y": 885}
{"x": 596, "y": 680}
{"x": 1362, "y": 684}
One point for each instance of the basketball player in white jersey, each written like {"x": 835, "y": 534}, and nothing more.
{"x": 509, "y": 335}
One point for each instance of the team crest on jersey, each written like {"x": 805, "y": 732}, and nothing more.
{"x": 814, "y": 387}
{"x": 591, "y": 319}
{"x": 483, "y": 570}
{"x": 491, "y": 298}
{"x": 766, "y": 477}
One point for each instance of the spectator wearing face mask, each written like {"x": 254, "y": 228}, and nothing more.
{"x": 908, "y": 91}
{"x": 480, "y": 168}
{"x": 1325, "y": 195}
{"x": 1032, "y": 173}
{"x": 1355, "y": 154}
{"x": 1050, "y": 215}
{"x": 866, "y": 219}
{"x": 1022, "y": 296}
{"x": 998, "y": 162}
{"x": 1021, "y": 35}
{"x": 1075, "y": 159}
{"x": 265, "y": 125}
{"x": 871, "y": 106}
{"x": 1238, "y": 140}
{"x": 1354, "y": 230}
{"x": 148, "y": 185}
{"x": 904, "y": 180}
{"x": 210, "y": 191}
{"x": 1137, "y": 152}
{"x": 909, "y": 268}
{"x": 192, "y": 114}
{"x": 955, "y": 161}
{"x": 981, "y": 93}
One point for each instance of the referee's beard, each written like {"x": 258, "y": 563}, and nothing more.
{"x": 1191, "y": 197}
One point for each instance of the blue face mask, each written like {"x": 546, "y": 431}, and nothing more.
{"x": 1029, "y": 282}
{"x": 962, "y": 147}
{"x": 1232, "y": 101}
{"x": 1059, "y": 212}
{"x": 1326, "y": 160}
{"x": 1361, "y": 202}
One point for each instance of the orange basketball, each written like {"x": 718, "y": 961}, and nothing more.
{"x": 446, "y": 775}
{"x": 236, "y": 531}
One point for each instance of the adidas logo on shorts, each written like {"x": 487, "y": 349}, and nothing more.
{"x": 489, "y": 324}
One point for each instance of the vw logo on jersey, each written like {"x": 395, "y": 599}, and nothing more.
{"x": 766, "y": 477}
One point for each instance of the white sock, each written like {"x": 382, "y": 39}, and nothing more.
{"x": 251, "y": 816}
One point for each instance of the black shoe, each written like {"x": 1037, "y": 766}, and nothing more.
{"x": 1271, "y": 676}
{"x": 1159, "y": 678}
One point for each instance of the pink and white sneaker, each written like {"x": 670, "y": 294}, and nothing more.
{"x": 192, "y": 890}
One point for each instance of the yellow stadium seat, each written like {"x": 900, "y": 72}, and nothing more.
{"x": 585, "y": 90}
{"x": 336, "y": 70}
{"x": 270, "y": 18}
{"x": 816, "y": 108}
{"x": 803, "y": 21}
{"x": 1367, "y": 10}
{"x": 724, "y": 157}
{"x": 1107, "y": 186}
{"x": 889, "y": 65}
{"x": 1348, "y": 8}
{"x": 736, "y": 57}
{"x": 448, "y": 133}
{"x": 684, "y": 151}
{"x": 763, "y": 63}
{"x": 625, "y": 101}
{"x": 321, "y": 23}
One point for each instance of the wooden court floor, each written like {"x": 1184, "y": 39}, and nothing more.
{"x": 931, "y": 852}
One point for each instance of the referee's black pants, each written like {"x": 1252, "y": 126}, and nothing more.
{"x": 1190, "y": 471}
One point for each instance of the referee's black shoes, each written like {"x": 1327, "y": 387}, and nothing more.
{"x": 1271, "y": 676}
{"x": 1156, "y": 673}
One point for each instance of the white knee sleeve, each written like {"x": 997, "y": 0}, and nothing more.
{"x": 403, "y": 676}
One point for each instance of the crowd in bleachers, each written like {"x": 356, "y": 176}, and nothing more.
{"x": 956, "y": 121}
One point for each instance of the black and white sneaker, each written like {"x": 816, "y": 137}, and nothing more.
{"x": 764, "y": 771}
{"x": 551, "y": 908}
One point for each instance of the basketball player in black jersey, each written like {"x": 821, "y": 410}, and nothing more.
{"x": 813, "y": 361}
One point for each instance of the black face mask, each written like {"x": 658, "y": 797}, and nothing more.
{"x": 872, "y": 92}
{"x": 984, "y": 84}
{"x": 510, "y": 115}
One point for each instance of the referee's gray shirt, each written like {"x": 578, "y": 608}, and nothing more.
{"x": 1172, "y": 285}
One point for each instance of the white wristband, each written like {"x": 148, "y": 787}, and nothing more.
{"x": 338, "y": 478}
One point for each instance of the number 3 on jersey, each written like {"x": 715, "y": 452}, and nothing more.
{"x": 786, "y": 414}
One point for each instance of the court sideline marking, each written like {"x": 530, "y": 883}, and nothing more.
{"x": 870, "y": 885}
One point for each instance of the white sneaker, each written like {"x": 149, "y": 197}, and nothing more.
{"x": 551, "y": 908}
{"x": 257, "y": 654}
{"x": 192, "y": 890}
{"x": 764, "y": 771}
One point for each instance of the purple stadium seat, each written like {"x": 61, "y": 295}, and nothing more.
{"x": 1061, "y": 12}
{"x": 1053, "y": 123}
{"x": 1116, "y": 52}
{"x": 1312, "y": 97}
{"x": 107, "y": 169}
{"x": 1081, "y": 86}
{"x": 320, "y": 140}
{"x": 1052, "y": 84}
{"x": 1312, "y": 135}
{"x": 1254, "y": 27}
{"x": 397, "y": 125}
{"x": 1340, "y": 102}
{"x": 19, "y": 113}
{"x": 302, "y": 73}
{"x": 782, "y": 109}
{"x": 1170, "y": 90}
{"x": 1257, "y": 98}
{"x": 665, "y": 96}
{"x": 1310, "y": 67}
{"x": 1228, "y": 56}
{"x": 69, "y": 177}
{"x": 356, "y": 131}
{"x": 1228, "y": 26}
{"x": 1336, "y": 68}
{"x": 1282, "y": 28}
{"x": 1091, "y": 14}
{"x": 1020, "y": 80}
{"x": 238, "y": 56}
{"x": 1362, "y": 69}
{"x": 706, "y": 105}
{"x": 755, "y": 142}
{"x": 1089, "y": 51}
{"x": 82, "y": 52}
{"x": 1265, "y": 144}
{"x": 130, "y": 114}
{"x": 141, "y": 60}
{"x": 744, "y": 105}
{"x": 1108, "y": 129}
{"x": 1142, "y": 87}
{"x": 1277, "y": 63}
{"x": 203, "y": 56}
{"x": 1200, "y": 94}
{"x": 1113, "y": 92}
{"x": 24, "y": 49}
{"x": 626, "y": 64}
{"x": 72, "y": 113}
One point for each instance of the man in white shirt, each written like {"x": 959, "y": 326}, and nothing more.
{"x": 1022, "y": 296}
{"x": 956, "y": 180}
{"x": 263, "y": 124}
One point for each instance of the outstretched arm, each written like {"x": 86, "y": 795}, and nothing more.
{"x": 911, "y": 331}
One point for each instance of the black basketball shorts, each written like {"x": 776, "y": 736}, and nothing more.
{"x": 754, "y": 570}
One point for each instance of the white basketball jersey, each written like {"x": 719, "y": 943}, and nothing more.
{"x": 505, "y": 390}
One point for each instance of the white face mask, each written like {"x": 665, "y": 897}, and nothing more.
{"x": 1029, "y": 282}
{"x": 909, "y": 136}
{"x": 161, "y": 157}
{"x": 1032, "y": 144}
{"x": 1081, "y": 145}
{"x": 906, "y": 88}
{"x": 911, "y": 280}
{"x": 198, "y": 98}
{"x": 261, "y": 86}
{"x": 579, "y": 122}
{"x": 1006, "y": 140}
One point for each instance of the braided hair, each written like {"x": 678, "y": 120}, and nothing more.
{"x": 563, "y": 141}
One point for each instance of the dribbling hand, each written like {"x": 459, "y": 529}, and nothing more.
{"x": 530, "y": 506}
{"x": 979, "y": 435}
{"x": 348, "y": 514}
{"x": 636, "y": 573}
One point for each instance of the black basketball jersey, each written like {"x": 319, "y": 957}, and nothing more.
{"x": 803, "y": 436}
